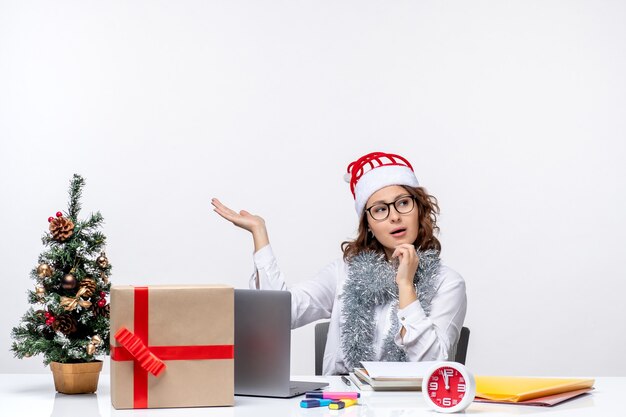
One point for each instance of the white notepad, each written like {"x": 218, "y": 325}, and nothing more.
{"x": 395, "y": 370}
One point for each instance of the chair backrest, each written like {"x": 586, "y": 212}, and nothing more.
{"x": 461, "y": 346}
{"x": 321, "y": 333}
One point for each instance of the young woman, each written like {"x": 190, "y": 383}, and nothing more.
{"x": 389, "y": 298}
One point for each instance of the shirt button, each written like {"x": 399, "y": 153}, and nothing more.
{"x": 402, "y": 318}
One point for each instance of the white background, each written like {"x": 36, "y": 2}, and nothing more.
{"x": 512, "y": 113}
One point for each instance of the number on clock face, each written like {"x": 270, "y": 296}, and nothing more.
{"x": 446, "y": 387}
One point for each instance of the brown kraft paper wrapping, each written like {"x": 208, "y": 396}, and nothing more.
{"x": 197, "y": 315}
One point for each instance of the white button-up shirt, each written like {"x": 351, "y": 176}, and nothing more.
{"x": 427, "y": 338}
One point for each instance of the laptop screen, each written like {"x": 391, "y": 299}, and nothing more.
{"x": 262, "y": 342}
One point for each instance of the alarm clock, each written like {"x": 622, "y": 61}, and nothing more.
{"x": 448, "y": 387}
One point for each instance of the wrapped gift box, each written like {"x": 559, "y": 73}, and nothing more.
{"x": 172, "y": 346}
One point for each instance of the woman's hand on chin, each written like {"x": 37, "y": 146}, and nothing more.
{"x": 407, "y": 266}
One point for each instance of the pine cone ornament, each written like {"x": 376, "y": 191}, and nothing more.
{"x": 61, "y": 228}
{"x": 40, "y": 315}
{"x": 89, "y": 286}
{"x": 65, "y": 324}
{"x": 101, "y": 311}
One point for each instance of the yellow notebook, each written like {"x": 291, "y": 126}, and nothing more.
{"x": 515, "y": 389}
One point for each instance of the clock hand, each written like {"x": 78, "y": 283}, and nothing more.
{"x": 445, "y": 378}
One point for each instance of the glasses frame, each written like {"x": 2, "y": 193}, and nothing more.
{"x": 393, "y": 203}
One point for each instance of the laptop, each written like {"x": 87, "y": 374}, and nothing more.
{"x": 263, "y": 345}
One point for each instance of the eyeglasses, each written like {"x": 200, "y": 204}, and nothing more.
{"x": 403, "y": 205}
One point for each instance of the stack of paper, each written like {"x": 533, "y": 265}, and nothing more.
{"x": 530, "y": 391}
{"x": 390, "y": 376}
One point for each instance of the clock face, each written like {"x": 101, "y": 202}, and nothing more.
{"x": 446, "y": 387}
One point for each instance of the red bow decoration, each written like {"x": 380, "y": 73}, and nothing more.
{"x": 133, "y": 344}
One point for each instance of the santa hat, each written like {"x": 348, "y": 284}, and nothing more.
{"x": 374, "y": 171}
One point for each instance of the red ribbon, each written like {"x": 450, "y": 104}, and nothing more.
{"x": 150, "y": 358}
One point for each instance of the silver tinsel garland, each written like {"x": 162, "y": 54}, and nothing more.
{"x": 371, "y": 282}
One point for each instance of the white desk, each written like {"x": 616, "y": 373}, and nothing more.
{"x": 34, "y": 395}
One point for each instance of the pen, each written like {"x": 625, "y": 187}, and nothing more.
{"x": 332, "y": 395}
{"x": 339, "y": 404}
{"x": 314, "y": 403}
{"x": 346, "y": 380}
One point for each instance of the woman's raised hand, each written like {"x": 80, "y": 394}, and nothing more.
{"x": 243, "y": 219}
{"x": 250, "y": 222}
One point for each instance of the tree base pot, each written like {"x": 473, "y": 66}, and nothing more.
{"x": 76, "y": 378}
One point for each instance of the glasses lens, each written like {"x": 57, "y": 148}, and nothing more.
{"x": 379, "y": 212}
{"x": 404, "y": 205}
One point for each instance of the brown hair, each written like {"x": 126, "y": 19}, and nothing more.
{"x": 428, "y": 209}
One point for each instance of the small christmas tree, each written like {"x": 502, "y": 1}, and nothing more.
{"x": 70, "y": 323}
